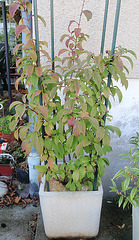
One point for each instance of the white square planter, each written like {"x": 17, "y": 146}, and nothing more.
{"x": 71, "y": 214}
{"x": 135, "y": 221}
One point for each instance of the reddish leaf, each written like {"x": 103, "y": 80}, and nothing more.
{"x": 45, "y": 53}
{"x": 45, "y": 98}
{"x": 84, "y": 114}
{"x": 55, "y": 75}
{"x": 38, "y": 71}
{"x": 43, "y": 110}
{"x": 79, "y": 45}
{"x": 77, "y": 86}
{"x": 50, "y": 162}
{"x": 62, "y": 51}
{"x": 19, "y": 29}
{"x": 17, "y": 46}
{"x": 13, "y": 8}
{"x": 30, "y": 70}
{"x": 76, "y": 129}
{"x": 44, "y": 43}
{"x": 67, "y": 43}
{"x": 71, "y": 121}
{"x": 37, "y": 93}
{"x": 72, "y": 21}
{"x": 40, "y": 178}
{"x": 77, "y": 32}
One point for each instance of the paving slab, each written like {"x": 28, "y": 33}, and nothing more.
{"x": 15, "y": 222}
{"x": 115, "y": 224}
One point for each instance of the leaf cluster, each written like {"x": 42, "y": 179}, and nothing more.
{"x": 68, "y": 125}
{"x": 129, "y": 191}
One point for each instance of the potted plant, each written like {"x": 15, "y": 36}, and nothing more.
{"x": 68, "y": 131}
{"x": 6, "y": 164}
{"x": 5, "y": 130}
{"x": 21, "y": 166}
{"x": 129, "y": 192}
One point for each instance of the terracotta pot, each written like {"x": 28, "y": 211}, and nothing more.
{"x": 6, "y": 170}
{"x": 8, "y": 136}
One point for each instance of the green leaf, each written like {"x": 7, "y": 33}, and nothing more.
{"x": 13, "y": 104}
{"x": 34, "y": 80}
{"x": 20, "y": 110}
{"x": 77, "y": 149}
{"x": 69, "y": 141}
{"x": 120, "y": 200}
{"x": 42, "y": 19}
{"x": 129, "y": 59}
{"x": 114, "y": 129}
{"x": 98, "y": 149}
{"x": 106, "y": 140}
{"x": 93, "y": 111}
{"x": 119, "y": 93}
{"x": 94, "y": 122}
{"x": 88, "y": 73}
{"x": 75, "y": 176}
{"x": 106, "y": 92}
{"x": 134, "y": 191}
{"x": 82, "y": 127}
{"x": 97, "y": 78}
{"x": 82, "y": 172}
{"x": 29, "y": 7}
{"x": 32, "y": 55}
{"x": 89, "y": 101}
{"x": 72, "y": 187}
{"x": 133, "y": 53}
{"x": 42, "y": 169}
{"x": 88, "y": 14}
{"x": 100, "y": 133}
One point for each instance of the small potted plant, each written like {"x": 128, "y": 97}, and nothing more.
{"x": 21, "y": 166}
{"x": 68, "y": 131}
{"x": 5, "y": 130}
{"x": 6, "y": 164}
{"x": 129, "y": 191}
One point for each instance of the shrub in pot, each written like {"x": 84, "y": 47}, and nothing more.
{"x": 68, "y": 131}
{"x": 5, "y": 130}
{"x": 129, "y": 192}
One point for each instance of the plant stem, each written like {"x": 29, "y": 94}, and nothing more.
{"x": 81, "y": 14}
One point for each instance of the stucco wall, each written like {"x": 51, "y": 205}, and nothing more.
{"x": 126, "y": 114}
{"x": 64, "y": 11}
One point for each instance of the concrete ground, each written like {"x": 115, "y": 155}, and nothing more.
{"x": 15, "y": 222}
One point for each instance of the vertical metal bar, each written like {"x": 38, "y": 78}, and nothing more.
{"x": 7, "y": 51}
{"x": 104, "y": 26}
{"x": 109, "y": 76}
{"x": 52, "y": 34}
{"x": 116, "y": 26}
{"x": 113, "y": 47}
{"x": 37, "y": 44}
{"x": 38, "y": 59}
{"x": 52, "y": 44}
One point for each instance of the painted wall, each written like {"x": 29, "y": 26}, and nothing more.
{"x": 126, "y": 114}
{"x": 64, "y": 11}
